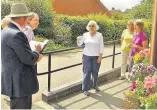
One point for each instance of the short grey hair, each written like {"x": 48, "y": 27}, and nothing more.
{"x": 92, "y": 22}
{"x": 140, "y": 23}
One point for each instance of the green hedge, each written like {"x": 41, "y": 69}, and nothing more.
{"x": 110, "y": 29}
{"x": 64, "y": 30}
{"x": 5, "y": 9}
{"x": 43, "y": 8}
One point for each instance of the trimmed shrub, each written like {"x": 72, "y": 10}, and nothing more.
{"x": 43, "y": 8}
{"x": 117, "y": 16}
{"x": 110, "y": 29}
{"x": 62, "y": 33}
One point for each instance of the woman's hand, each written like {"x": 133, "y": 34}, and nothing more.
{"x": 99, "y": 59}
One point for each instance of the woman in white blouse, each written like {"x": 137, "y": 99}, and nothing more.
{"x": 92, "y": 55}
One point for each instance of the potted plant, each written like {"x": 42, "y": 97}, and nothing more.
{"x": 143, "y": 89}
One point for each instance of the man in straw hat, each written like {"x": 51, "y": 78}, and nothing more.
{"x": 19, "y": 80}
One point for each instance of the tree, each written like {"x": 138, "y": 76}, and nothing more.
{"x": 42, "y": 7}
{"x": 144, "y": 10}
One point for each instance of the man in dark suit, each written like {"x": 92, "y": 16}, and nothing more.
{"x": 19, "y": 80}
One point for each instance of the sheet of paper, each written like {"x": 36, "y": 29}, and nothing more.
{"x": 44, "y": 44}
{"x": 34, "y": 43}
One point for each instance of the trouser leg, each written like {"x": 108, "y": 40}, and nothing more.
{"x": 124, "y": 58}
{"x": 131, "y": 63}
{"x": 86, "y": 72}
{"x": 21, "y": 102}
{"x": 95, "y": 70}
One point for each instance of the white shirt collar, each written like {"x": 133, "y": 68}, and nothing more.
{"x": 20, "y": 28}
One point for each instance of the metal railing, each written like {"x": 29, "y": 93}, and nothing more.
{"x": 49, "y": 72}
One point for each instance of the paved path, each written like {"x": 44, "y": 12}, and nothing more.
{"x": 72, "y": 74}
{"x": 110, "y": 97}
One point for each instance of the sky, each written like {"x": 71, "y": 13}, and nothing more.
{"x": 120, "y": 4}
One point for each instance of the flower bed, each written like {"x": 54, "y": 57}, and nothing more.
{"x": 143, "y": 89}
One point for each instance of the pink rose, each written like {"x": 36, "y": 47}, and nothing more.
{"x": 149, "y": 82}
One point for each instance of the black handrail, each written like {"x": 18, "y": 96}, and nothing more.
{"x": 74, "y": 65}
{"x": 73, "y": 48}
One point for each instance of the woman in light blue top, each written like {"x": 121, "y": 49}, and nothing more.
{"x": 92, "y": 55}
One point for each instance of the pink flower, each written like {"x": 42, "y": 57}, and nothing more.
{"x": 149, "y": 82}
{"x": 155, "y": 78}
{"x": 142, "y": 53}
{"x": 133, "y": 86}
{"x": 147, "y": 50}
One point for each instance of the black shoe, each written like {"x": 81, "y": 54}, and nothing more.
{"x": 86, "y": 93}
{"x": 97, "y": 89}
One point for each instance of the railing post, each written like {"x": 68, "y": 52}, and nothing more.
{"x": 49, "y": 72}
{"x": 113, "y": 58}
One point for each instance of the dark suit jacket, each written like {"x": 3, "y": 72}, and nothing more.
{"x": 18, "y": 63}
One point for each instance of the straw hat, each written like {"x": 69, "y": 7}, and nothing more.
{"x": 19, "y": 10}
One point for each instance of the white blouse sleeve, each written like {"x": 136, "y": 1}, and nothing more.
{"x": 101, "y": 44}
{"x": 81, "y": 41}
